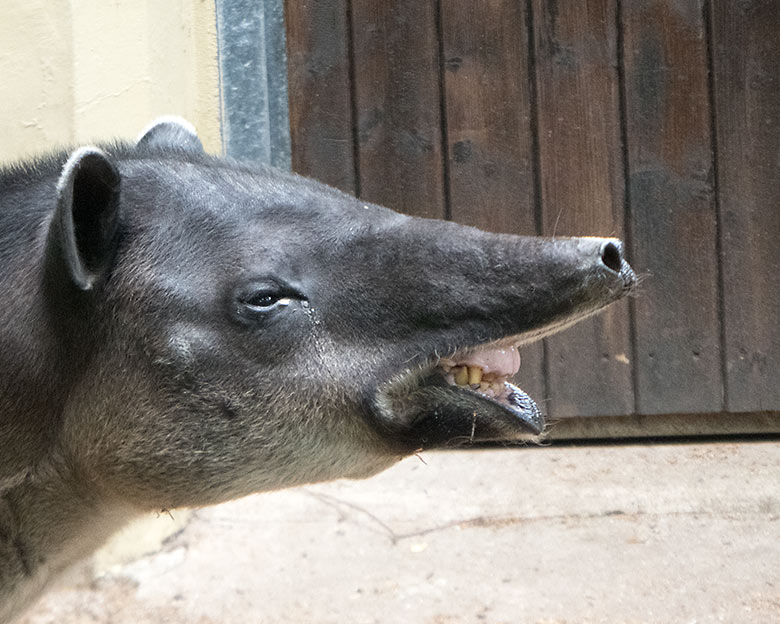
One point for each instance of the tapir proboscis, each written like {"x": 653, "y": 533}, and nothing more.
{"x": 179, "y": 329}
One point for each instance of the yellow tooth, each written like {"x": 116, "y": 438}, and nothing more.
{"x": 462, "y": 375}
{"x": 475, "y": 374}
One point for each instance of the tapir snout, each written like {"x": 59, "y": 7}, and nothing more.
{"x": 476, "y": 298}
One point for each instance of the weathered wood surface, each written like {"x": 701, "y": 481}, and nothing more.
{"x": 746, "y": 63}
{"x": 398, "y": 103}
{"x": 656, "y": 121}
{"x": 489, "y": 130}
{"x": 319, "y": 84}
{"x": 673, "y": 224}
{"x": 581, "y": 165}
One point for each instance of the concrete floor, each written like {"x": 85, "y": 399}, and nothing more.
{"x": 667, "y": 533}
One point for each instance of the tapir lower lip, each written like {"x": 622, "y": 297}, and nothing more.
{"x": 525, "y": 409}
{"x": 521, "y": 408}
{"x": 424, "y": 411}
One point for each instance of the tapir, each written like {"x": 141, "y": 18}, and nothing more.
{"x": 180, "y": 329}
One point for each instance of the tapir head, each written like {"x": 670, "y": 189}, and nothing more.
{"x": 237, "y": 329}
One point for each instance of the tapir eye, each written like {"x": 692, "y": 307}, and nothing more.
{"x": 267, "y": 299}
{"x": 257, "y": 299}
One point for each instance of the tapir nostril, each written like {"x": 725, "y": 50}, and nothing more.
{"x": 611, "y": 256}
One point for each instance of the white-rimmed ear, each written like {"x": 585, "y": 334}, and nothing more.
{"x": 83, "y": 232}
{"x": 170, "y": 132}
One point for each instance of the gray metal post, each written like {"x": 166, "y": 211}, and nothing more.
{"x": 253, "y": 80}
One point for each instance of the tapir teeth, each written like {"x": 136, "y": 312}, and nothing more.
{"x": 462, "y": 375}
{"x": 473, "y": 377}
{"x": 485, "y": 370}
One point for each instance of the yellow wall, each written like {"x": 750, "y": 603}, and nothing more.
{"x": 76, "y": 71}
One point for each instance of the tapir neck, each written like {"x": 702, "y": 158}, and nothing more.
{"x": 31, "y": 553}
{"x": 31, "y": 390}
{"x": 49, "y": 516}
{"x": 41, "y": 358}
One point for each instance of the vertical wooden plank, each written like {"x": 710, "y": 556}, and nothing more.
{"x": 582, "y": 190}
{"x": 488, "y": 104}
{"x": 319, "y": 86}
{"x": 489, "y": 135}
{"x": 746, "y": 49}
{"x": 397, "y": 93}
{"x": 673, "y": 214}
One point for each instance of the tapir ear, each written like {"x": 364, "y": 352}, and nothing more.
{"x": 85, "y": 224}
{"x": 171, "y": 132}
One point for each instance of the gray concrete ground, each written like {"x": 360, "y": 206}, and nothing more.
{"x": 668, "y": 533}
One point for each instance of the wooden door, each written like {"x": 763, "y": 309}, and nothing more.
{"x": 655, "y": 121}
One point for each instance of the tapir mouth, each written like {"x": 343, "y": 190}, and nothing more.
{"x": 486, "y": 371}
{"x": 465, "y": 397}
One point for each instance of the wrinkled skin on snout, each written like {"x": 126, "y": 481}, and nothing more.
{"x": 216, "y": 329}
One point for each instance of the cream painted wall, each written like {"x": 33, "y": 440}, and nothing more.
{"x": 75, "y": 71}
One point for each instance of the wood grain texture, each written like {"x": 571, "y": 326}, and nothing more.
{"x": 746, "y": 49}
{"x": 673, "y": 224}
{"x": 319, "y": 87}
{"x": 459, "y": 110}
{"x": 589, "y": 366}
{"x": 397, "y": 77}
{"x": 489, "y": 133}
